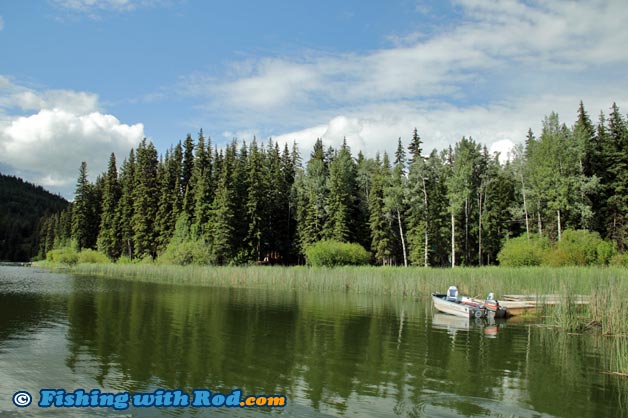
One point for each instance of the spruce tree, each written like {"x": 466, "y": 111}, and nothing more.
{"x": 124, "y": 211}
{"x": 145, "y": 201}
{"x": 339, "y": 224}
{"x": 83, "y": 218}
{"x": 414, "y": 147}
{"x": 108, "y": 238}
{"x": 381, "y": 230}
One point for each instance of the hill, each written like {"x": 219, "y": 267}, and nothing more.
{"x": 22, "y": 205}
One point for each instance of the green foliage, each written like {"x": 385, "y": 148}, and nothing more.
{"x": 620, "y": 260}
{"x": 455, "y": 207}
{"x": 66, "y": 255}
{"x": 521, "y": 251}
{"x": 22, "y": 204}
{"x": 185, "y": 248}
{"x": 191, "y": 251}
{"x": 576, "y": 248}
{"x": 329, "y": 253}
{"x": 123, "y": 259}
{"x": 90, "y": 256}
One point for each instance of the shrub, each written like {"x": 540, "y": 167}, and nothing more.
{"x": 65, "y": 255}
{"x": 334, "y": 253}
{"x": 605, "y": 252}
{"x": 90, "y": 256}
{"x": 578, "y": 247}
{"x": 620, "y": 260}
{"x": 521, "y": 251}
{"x": 189, "y": 251}
{"x": 124, "y": 259}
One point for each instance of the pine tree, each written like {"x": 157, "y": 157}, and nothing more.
{"x": 187, "y": 170}
{"x": 124, "y": 211}
{"x": 255, "y": 202}
{"x": 381, "y": 231}
{"x": 84, "y": 228}
{"x": 615, "y": 158}
{"x": 221, "y": 225}
{"x": 145, "y": 201}
{"x": 415, "y": 147}
{"x": 313, "y": 198}
{"x": 341, "y": 184}
{"x": 108, "y": 238}
{"x": 203, "y": 187}
{"x": 394, "y": 201}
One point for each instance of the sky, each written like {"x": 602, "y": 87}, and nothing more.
{"x": 80, "y": 79}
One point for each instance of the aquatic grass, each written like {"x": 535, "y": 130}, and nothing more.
{"x": 606, "y": 288}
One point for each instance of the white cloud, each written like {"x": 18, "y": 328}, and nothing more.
{"x": 61, "y": 129}
{"x": 1, "y": 23}
{"x": 94, "y": 9}
{"x": 492, "y": 74}
{"x": 498, "y": 126}
{"x": 89, "y": 5}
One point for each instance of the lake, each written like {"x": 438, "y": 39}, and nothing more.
{"x": 330, "y": 354}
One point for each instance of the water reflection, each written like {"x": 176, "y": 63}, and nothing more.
{"x": 331, "y": 354}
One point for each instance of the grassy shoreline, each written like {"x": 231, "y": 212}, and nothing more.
{"x": 606, "y": 315}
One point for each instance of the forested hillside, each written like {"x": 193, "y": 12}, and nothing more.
{"x": 22, "y": 205}
{"x": 259, "y": 202}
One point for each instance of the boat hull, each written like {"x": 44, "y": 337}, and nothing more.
{"x": 452, "y": 308}
{"x": 467, "y": 308}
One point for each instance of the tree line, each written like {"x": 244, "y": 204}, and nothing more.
{"x": 259, "y": 202}
{"x": 22, "y": 205}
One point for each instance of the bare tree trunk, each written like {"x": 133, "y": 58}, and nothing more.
{"x": 453, "y": 240}
{"x": 425, "y": 248}
{"x": 403, "y": 241}
{"x": 558, "y": 219}
{"x": 538, "y": 213}
{"x": 466, "y": 230}
{"x": 525, "y": 208}
{"x": 480, "y": 229}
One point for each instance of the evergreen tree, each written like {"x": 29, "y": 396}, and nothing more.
{"x": 615, "y": 177}
{"x": 381, "y": 245}
{"x": 341, "y": 184}
{"x": 84, "y": 226}
{"x": 169, "y": 199}
{"x": 145, "y": 201}
{"x": 394, "y": 202}
{"x": 187, "y": 170}
{"x": 415, "y": 146}
{"x": 222, "y": 233}
{"x": 203, "y": 187}
{"x": 108, "y": 237}
{"x": 313, "y": 198}
{"x": 125, "y": 210}
{"x": 255, "y": 202}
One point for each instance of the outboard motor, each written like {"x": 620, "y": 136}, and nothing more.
{"x": 491, "y": 303}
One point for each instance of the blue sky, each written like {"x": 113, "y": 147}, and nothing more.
{"x": 80, "y": 79}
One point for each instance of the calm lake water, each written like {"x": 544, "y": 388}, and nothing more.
{"x": 330, "y": 354}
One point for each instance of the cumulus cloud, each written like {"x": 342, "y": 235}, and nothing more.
{"x": 498, "y": 70}
{"x": 60, "y": 129}
{"x": 376, "y": 128}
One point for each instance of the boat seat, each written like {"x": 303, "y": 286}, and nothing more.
{"x": 452, "y": 294}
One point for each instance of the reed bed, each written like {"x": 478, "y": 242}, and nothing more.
{"x": 607, "y": 288}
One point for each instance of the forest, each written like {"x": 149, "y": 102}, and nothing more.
{"x": 22, "y": 205}
{"x": 262, "y": 203}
